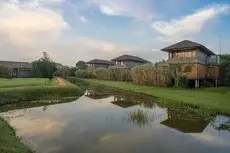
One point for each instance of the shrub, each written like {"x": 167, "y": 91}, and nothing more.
{"x": 63, "y": 71}
{"x": 181, "y": 81}
{"x": 87, "y": 73}
{"x": 206, "y": 84}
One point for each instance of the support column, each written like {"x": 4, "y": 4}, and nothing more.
{"x": 216, "y": 83}
{"x": 197, "y": 83}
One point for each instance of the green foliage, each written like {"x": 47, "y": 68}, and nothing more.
{"x": 63, "y": 72}
{"x": 87, "y": 73}
{"x": 81, "y": 65}
{"x": 151, "y": 75}
{"x": 181, "y": 82}
{"x": 43, "y": 68}
{"x": 225, "y": 69}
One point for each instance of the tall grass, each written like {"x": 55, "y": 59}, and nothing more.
{"x": 151, "y": 75}
{"x": 113, "y": 74}
{"x": 139, "y": 117}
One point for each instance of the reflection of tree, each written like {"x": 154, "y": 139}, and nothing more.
{"x": 44, "y": 108}
{"x": 129, "y": 100}
{"x": 185, "y": 120}
{"x": 96, "y": 95}
{"x": 48, "y": 101}
{"x": 124, "y": 101}
{"x": 225, "y": 126}
{"x": 221, "y": 123}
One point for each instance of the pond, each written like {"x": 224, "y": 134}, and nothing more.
{"x": 105, "y": 120}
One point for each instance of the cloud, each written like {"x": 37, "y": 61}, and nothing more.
{"x": 83, "y": 19}
{"x": 86, "y": 48}
{"x": 140, "y": 10}
{"x": 26, "y": 23}
{"x": 189, "y": 25}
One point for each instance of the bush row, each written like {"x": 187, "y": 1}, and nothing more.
{"x": 162, "y": 76}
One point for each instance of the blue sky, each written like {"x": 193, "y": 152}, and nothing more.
{"x": 72, "y": 30}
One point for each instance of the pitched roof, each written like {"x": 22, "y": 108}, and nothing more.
{"x": 99, "y": 61}
{"x": 186, "y": 44}
{"x": 130, "y": 58}
{"x": 13, "y": 64}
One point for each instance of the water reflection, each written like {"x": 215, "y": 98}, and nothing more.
{"x": 185, "y": 122}
{"x": 221, "y": 123}
{"x": 106, "y": 120}
{"x": 37, "y": 103}
{"x": 96, "y": 95}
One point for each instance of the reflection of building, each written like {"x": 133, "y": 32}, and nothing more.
{"x": 124, "y": 101}
{"x": 96, "y": 95}
{"x": 185, "y": 122}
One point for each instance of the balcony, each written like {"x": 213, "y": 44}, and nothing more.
{"x": 181, "y": 60}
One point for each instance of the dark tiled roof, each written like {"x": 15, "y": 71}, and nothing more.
{"x": 98, "y": 61}
{"x": 130, "y": 58}
{"x": 186, "y": 44}
{"x": 13, "y": 64}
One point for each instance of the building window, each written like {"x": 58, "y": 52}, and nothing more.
{"x": 187, "y": 69}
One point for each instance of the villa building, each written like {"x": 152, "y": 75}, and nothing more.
{"x": 97, "y": 63}
{"x": 19, "y": 69}
{"x": 128, "y": 61}
{"x": 198, "y": 62}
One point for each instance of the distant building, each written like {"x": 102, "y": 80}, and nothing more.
{"x": 128, "y": 61}
{"x": 98, "y": 63}
{"x": 198, "y": 62}
{"x": 19, "y": 69}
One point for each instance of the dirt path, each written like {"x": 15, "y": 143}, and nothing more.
{"x": 61, "y": 82}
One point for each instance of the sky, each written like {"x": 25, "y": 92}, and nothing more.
{"x": 72, "y": 30}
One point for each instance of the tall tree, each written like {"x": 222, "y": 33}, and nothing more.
{"x": 81, "y": 65}
{"x": 44, "y": 67}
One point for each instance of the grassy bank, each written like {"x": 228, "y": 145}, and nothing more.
{"x": 9, "y": 143}
{"x": 215, "y": 100}
{"x": 18, "y": 90}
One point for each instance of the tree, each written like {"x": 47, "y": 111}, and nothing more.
{"x": 225, "y": 69}
{"x": 44, "y": 67}
{"x": 81, "y": 65}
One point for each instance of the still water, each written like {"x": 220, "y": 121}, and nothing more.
{"x": 101, "y": 122}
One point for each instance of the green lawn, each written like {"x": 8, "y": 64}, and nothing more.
{"x": 9, "y": 143}
{"x": 212, "y": 99}
{"x": 21, "y": 82}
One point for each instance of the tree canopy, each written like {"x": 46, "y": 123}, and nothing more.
{"x": 81, "y": 65}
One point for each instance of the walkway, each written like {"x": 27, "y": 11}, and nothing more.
{"x": 61, "y": 82}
